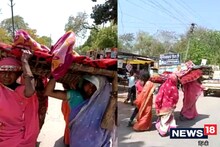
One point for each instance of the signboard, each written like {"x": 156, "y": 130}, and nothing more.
{"x": 129, "y": 67}
{"x": 204, "y": 61}
{"x": 120, "y": 63}
{"x": 169, "y": 59}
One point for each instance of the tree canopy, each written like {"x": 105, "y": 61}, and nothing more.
{"x": 105, "y": 37}
{"x": 202, "y": 44}
{"x": 79, "y": 24}
{"x": 106, "y": 12}
{"x": 19, "y": 23}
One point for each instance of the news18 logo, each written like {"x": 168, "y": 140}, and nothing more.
{"x": 193, "y": 133}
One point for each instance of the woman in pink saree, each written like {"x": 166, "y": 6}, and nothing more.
{"x": 165, "y": 105}
{"x": 19, "y": 124}
{"x": 192, "y": 91}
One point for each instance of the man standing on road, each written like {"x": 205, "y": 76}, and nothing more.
{"x": 131, "y": 88}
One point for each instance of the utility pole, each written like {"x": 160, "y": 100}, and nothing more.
{"x": 192, "y": 27}
{"x": 12, "y": 18}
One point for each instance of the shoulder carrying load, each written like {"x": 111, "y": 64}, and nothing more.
{"x": 65, "y": 65}
{"x": 192, "y": 73}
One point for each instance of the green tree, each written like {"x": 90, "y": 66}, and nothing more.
{"x": 79, "y": 24}
{"x": 180, "y": 47}
{"x": 107, "y": 37}
{"x": 143, "y": 43}
{"x": 98, "y": 39}
{"x": 125, "y": 42}
{"x": 91, "y": 39}
{"x": 204, "y": 44}
{"x": 106, "y": 12}
{"x": 45, "y": 41}
{"x": 6, "y": 30}
{"x": 4, "y": 37}
{"x": 19, "y": 23}
{"x": 168, "y": 39}
{"x": 157, "y": 48}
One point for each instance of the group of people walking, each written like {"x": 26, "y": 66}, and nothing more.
{"x": 23, "y": 105}
{"x": 164, "y": 103}
{"x": 21, "y": 118}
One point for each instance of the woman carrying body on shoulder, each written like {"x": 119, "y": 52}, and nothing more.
{"x": 88, "y": 101}
{"x": 19, "y": 124}
{"x": 165, "y": 105}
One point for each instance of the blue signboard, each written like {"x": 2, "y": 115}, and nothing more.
{"x": 169, "y": 59}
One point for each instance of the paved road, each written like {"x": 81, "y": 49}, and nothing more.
{"x": 53, "y": 128}
{"x": 208, "y": 108}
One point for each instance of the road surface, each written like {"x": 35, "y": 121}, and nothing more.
{"x": 51, "y": 134}
{"x": 208, "y": 108}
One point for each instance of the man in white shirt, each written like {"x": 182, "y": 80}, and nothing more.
{"x": 131, "y": 88}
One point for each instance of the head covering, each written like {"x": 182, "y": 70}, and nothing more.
{"x": 10, "y": 64}
{"x": 86, "y": 120}
{"x": 93, "y": 79}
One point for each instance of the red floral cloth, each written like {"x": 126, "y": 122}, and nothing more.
{"x": 191, "y": 76}
{"x": 99, "y": 63}
{"x": 160, "y": 78}
{"x": 61, "y": 56}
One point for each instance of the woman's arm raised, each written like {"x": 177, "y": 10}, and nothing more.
{"x": 50, "y": 90}
{"x": 28, "y": 76}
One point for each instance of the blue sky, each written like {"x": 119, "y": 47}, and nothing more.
{"x": 48, "y": 17}
{"x": 170, "y": 15}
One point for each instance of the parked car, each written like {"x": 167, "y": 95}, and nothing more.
{"x": 212, "y": 86}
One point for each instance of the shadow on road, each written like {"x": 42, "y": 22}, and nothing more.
{"x": 132, "y": 144}
{"x": 189, "y": 123}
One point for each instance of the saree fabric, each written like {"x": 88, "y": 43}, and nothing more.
{"x": 85, "y": 119}
{"x": 144, "y": 103}
{"x": 65, "y": 108}
{"x": 19, "y": 124}
{"x": 165, "y": 105}
{"x": 192, "y": 91}
{"x": 167, "y": 96}
{"x": 139, "y": 87}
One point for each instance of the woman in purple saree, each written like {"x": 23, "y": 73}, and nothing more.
{"x": 85, "y": 119}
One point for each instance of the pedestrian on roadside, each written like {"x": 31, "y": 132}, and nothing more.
{"x": 165, "y": 105}
{"x": 143, "y": 104}
{"x": 139, "y": 87}
{"x": 19, "y": 122}
{"x": 131, "y": 88}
